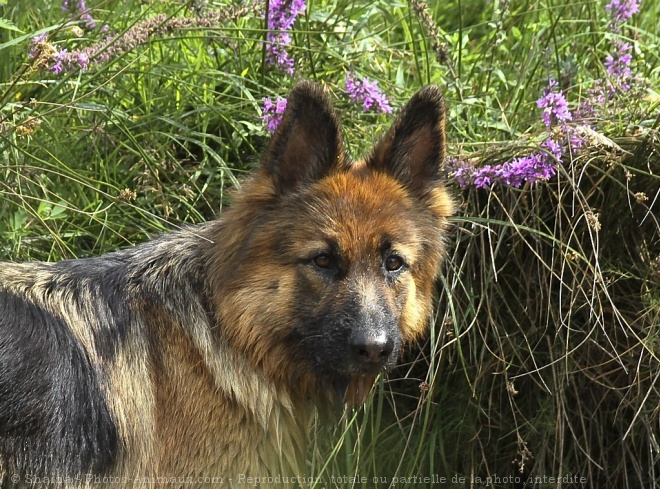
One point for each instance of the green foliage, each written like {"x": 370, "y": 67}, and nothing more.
{"x": 544, "y": 357}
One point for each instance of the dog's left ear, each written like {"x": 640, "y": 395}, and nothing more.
{"x": 413, "y": 150}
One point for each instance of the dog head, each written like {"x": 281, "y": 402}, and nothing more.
{"x": 335, "y": 265}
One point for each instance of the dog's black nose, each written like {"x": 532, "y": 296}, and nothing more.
{"x": 372, "y": 349}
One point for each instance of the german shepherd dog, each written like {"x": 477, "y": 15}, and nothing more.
{"x": 198, "y": 357}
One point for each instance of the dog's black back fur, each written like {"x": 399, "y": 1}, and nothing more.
{"x": 59, "y": 389}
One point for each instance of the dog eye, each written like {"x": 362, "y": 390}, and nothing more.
{"x": 323, "y": 260}
{"x": 393, "y": 263}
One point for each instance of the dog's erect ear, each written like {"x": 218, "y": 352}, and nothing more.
{"x": 413, "y": 150}
{"x": 307, "y": 144}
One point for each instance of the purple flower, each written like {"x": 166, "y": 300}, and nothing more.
{"x": 90, "y": 23}
{"x": 282, "y": 13}
{"x": 61, "y": 61}
{"x": 80, "y": 8}
{"x": 272, "y": 112}
{"x": 461, "y": 170}
{"x": 618, "y": 65}
{"x": 36, "y": 45}
{"x": 277, "y": 53}
{"x": 40, "y": 38}
{"x": 553, "y": 147}
{"x": 621, "y": 10}
{"x": 57, "y": 67}
{"x": 554, "y": 105}
{"x": 281, "y": 17}
{"x": 575, "y": 140}
{"x": 532, "y": 168}
{"x": 367, "y": 92}
{"x": 58, "y": 60}
{"x": 590, "y": 106}
{"x": 82, "y": 60}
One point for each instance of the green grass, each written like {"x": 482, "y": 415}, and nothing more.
{"x": 544, "y": 358}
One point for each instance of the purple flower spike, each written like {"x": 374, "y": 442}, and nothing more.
{"x": 621, "y": 10}
{"x": 272, "y": 112}
{"x": 554, "y": 148}
{"x": 367, "y": 92}
{"x": 281, "y": 17}
{"x": 554, "y": 105}
{"x": 618, "y": 64}
{"x": 532, "y": 168}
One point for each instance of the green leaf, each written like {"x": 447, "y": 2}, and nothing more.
{"x": 8, "y": 24}
{"x": 58, "y": 211}
{"x": 18, "y": 220}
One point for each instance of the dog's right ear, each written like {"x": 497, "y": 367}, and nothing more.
{"x": 307, "y": 144}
